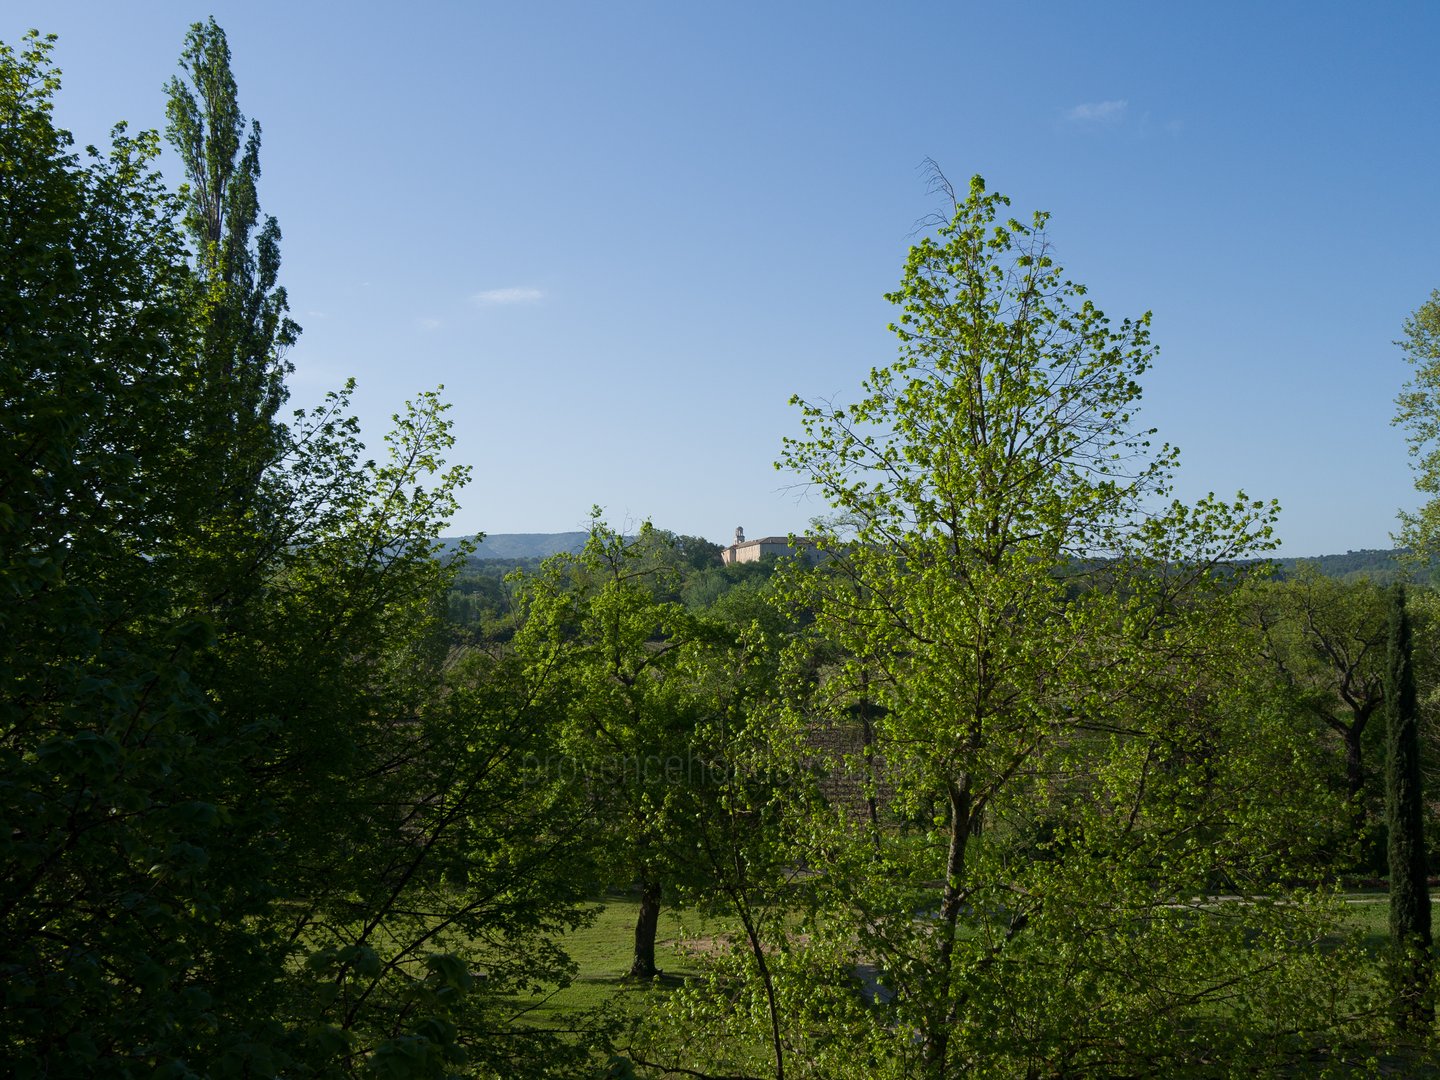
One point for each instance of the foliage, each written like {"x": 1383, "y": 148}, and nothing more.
{"x": 1404, "y": 816}
{"x": 126, "y": 937}
{"x": 1380, "y": 567}
{"x": 670, "y": 725}
{"x": 1050, "y": 646}
{"x": 1323, "y": 642}
{"x": 739, "y": 833}
{"x": 603, "y": 620}
{"x": 482, "y": 602}
{"x": 256, "y": 819}
{"x": 695, "y": 552}
{"x": 1004, "y": 786}
{"x": 1417, "y": 410}
{"x": 240, "y": 364}
{"x": 706, "y": 587}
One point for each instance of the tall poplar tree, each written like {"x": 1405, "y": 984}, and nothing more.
{"x": 237, "y": 258}
{"x": 253, "y": 820}
{"x": 129, "y": 887}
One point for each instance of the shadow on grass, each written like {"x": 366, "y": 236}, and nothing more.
{"x": 603, "y": 952}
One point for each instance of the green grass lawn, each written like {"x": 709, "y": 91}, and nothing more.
{"x": 603, "y": 952}
{"x": 1369, "y": 912}
{"x": 604, "y": 949}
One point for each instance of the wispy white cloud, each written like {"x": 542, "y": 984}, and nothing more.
{"x": 1098, "y": 112}
{"x": 512, "y": 295}
{"x": 429, "y": 324}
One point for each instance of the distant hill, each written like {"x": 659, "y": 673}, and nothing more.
{"x": 1380, "y": 565}
{"x": 512, "y": 546}
{"x": 1377, "y": 564}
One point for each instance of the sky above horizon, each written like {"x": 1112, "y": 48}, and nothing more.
{"x": 623, "y": 235}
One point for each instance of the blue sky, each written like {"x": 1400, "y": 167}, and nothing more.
{"x": 623, "y": 234}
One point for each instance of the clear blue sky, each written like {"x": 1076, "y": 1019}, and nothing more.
{"x": 623, "y": 234}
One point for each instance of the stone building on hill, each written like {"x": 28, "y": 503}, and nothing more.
{"x": 743, "y": 551}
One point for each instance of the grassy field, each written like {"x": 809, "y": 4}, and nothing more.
{"x": 1369, "y": 913}
{"x": 603, "y": 952}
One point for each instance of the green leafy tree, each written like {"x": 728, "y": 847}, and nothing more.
{"x": 663, "y": 728}
{"x": 1417, "y": 410}
{"x": 246, "y": 328}
{"x": 603, "y": 620}
{"x": 127, "y": 937}
{"x": 741, "y": 844}
{"x": 1325, "y": 641}
{"x": 257, "y": 820}
{"x": 413, "y": 839}
{"x": 696, "y": 552}
{"x": 1049, "y": 642}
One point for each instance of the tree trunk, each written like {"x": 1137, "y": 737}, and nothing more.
{"x": 646, "y": 923}
{"x": 937, "y": 1039}
{"x": 1404, "y": 809}
{"x": 1355, "y": 768}
{"x": 1367, "y": 844}
{"x": 872, "y": 803}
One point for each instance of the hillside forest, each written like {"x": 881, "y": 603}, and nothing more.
{"x": 1020, "y": 768}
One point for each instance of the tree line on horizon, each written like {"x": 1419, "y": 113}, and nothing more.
{"x": 1040, "y": 773}
{"x": 480, "y": 598}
